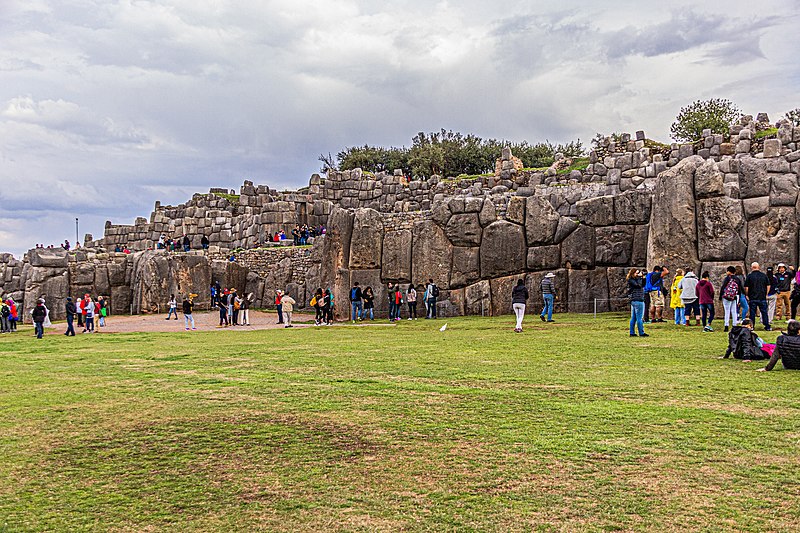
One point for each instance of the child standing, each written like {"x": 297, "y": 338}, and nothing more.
{"x": 675, "y": 301}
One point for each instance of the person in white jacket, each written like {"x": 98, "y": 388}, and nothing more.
{"x": 288, "y": 306}
{"x": 691, "y": 302}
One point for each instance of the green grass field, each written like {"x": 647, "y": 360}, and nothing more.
{"x": 571, "y": 426}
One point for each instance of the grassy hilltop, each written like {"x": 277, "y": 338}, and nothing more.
{"x": 573, "y": 426}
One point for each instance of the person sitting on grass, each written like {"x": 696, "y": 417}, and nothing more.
{"x": 787, "y": 349}
{"x": 745, "y": 344}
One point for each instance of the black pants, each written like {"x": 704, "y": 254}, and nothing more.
{"x": 80, "y": 320}
{"x": 794, "y": 301}
{"x": 412, "y": 309}
{"x": 235, "y": 317}
{"x": 70, "y": 327}
{"x": 223, "y": 316}
{"x": 707, "y": 311}
{"x": 280, "y": 313}
{"x": 646, "y": 306}
{"x": 318, "y": 314}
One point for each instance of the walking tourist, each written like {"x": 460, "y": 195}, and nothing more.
{"x": 548, "y": 290}
{"x": 39, "y": 313}
{"x": 173, "y": 307}
{"x": 756, "y": 287}
{"x": 288, "y": 307}
{"x": 675, "y": 301}
{"x": 70, "y": 310}
{"x": 729, "y": 294}
{"x": 691, "y": 302}
{"x": 787, "y": 349}
{"x": 188, "y": 309}
{"x": 519, "y": 296}
{"x": 635, "y": 284}
{"x": 705, "y": 295}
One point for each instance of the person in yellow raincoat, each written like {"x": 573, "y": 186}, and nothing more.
{"x": 675, "y": 301}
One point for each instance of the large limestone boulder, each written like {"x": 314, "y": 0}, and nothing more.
{"x": 48, "y": 257}
{"x": 396, "y": 263}
{"x": 158, "y": 275}
{"x": 721, "y": 229}
{"x": 772, "y": 238}
{"x": 544, "y": 257}
{"x": 614, "y": 245}
{"x": 503, "y": 249}
{"x": 367, "y": 240}
{"x": 335, "y": 273}
{"x": 431, "y": 254}
{"x": 618, "y": 288}
{"x": 632, "y": 207}
{"x": 52, "y": 283}
{"x": 708, "y": 180}
{"x": 718, "y": 270}
{"x": 464, "y": 230}
{"x": 753, "y": 178}
{"x": 578, "y": 250}
{"x": 501, "y": 294}
{"x": 598, "y": 211}
{"x": 584, "y": 287}
{"x": 783, "y": 190}
{"x": 673, "y": 231}
{"x": 466, "y": 266}
{"x": 541, "y": 221}
{"x": 372, "y": 279}
{"x": 478, "y": 299}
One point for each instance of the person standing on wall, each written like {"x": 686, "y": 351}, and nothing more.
{"x": 519, "y": 296}
{"x": 548, "y": 289}
{"x": 187, "y": 244}
{"x": 635, "y": 285}
{"x": 756, "y": 287}
{"x": 204, "y": 242}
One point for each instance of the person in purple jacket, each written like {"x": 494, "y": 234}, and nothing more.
{"x": 705, "y": 293}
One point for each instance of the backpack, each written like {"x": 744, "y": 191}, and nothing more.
{"x": 237, "y": 305}
{"x": 353, "y": 294}
{"x": 435, "y": 291}
{"x": 731, "y": 292}
{"x": 313, "y": 301}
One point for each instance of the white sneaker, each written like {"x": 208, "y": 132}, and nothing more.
{"x": 410, "y": 318}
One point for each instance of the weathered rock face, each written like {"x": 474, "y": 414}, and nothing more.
{"x": 464, "y": 230}
{"x": 721, "y": 229}
{"x": 578, "y": 250}
{"x": 534, "y": 283}
{"x": 584, "y": 287}
{"x": 541, "y": 221}
{"x": 51, "y": 283}
{"x": 772, "y": 238}
{"x": 673, "y": 233}
{"x": 157, "y": 275}
{"x": 544, "y": 257}
{"x": 614, "y": 245}
{"x": 365, "y": 250}
{"x": 503, "y": 249}
{"x": 336, "y": 259}
{"x": 396, "y": 263}
{"x": 753, "y": 178}
{"x": 431, "y": 254}
{"x": 466, "y": 266}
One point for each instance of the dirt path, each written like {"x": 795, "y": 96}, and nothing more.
{"x": 203, "y": 322}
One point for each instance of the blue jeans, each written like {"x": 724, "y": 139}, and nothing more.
{"x": 392, "y": 310}
{"x": 356, "y": 310}
{"x": 370, "y": 312}
{"x": 187, "y": 319}
{"x": 762, "y": 306}
{"x": 39, "y": 329}
{"x": 186, "y": 248}
{"x": 70, "y": 325}
{"x": 743, "y": 305}
{"x": 637, "y": 317}
{"x": 548, "y": 306}
{"x": 680, "y": 314}
{"x": 172, "y": 310}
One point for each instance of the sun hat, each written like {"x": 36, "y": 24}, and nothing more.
{"x": 549, "y": 275}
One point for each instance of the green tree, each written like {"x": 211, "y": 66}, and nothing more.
{"x": 716, "y": 115}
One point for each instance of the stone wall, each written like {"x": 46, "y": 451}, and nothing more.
{"x": 705, "y": 205}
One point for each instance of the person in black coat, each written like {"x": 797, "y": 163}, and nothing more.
{"x": 519, "y": 296}
{"x": 38, "y": 314}
{"x": 71, "y": 311}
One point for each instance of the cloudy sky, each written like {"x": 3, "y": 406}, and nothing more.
{"x": 107, "y": 106}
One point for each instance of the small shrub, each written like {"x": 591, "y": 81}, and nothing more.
{"x": 716, "y": 115}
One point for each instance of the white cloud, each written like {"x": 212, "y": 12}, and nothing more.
{"x": 108, "y": 106}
